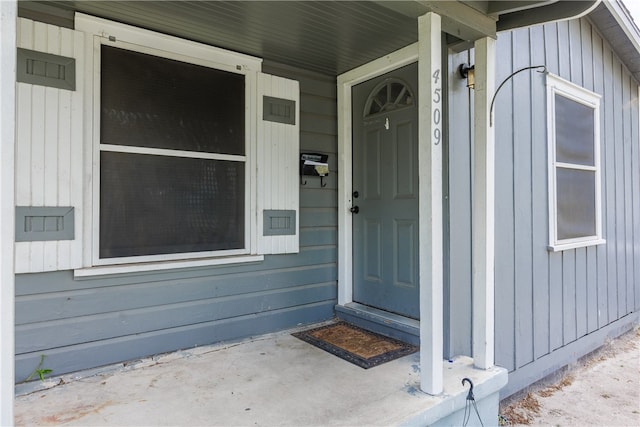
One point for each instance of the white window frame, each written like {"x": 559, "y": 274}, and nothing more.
{"x": 102, "y": 32}
{"x": 557, "y": 85}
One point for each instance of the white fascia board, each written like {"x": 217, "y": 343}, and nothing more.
{"x": 624, "y": 20}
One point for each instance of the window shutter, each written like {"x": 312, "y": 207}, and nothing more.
{"x": 278, "y": 165}
{"x": 49, "y": 148}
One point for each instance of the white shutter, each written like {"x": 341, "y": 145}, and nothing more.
{"x": 49, "y": 149}
{"x": 278, "y": 157}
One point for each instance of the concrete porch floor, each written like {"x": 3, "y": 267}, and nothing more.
{"x": 271, "y": 380}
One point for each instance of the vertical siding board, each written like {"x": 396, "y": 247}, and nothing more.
{"x": 635, "y": 167}
{"x": 459, "y": 316}
{"x": 609, "y": 172}
{"x": 587, "y": 321}
{"x": 569, "y": 296}
{"x": 522, "y": 177}
{"x": 619, "y": 189}
{"x": 575, "y": 52}
{"x": 65, "y": 166}
{"x": 50, "y": 163}
{"x": 539, "y": 199}
{"x": 556, "y": 337}
{"x": 556, "y": 303}
{"x": 564, "y": 51}
{"x": 504, "y": 269}
{"x": 581, "y": 291}
{"x": 601, "y": 250}
{"x": 77, "y": 178}
{"x": 592, "y": 289}
{"x": 628, "y": 194}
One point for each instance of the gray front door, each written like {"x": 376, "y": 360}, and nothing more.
{"x": 385, "y": 185}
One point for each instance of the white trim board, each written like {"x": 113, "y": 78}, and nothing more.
{"x": 8, "y": 12}
{"x": 346, "y": 81}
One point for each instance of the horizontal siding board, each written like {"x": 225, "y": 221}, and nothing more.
{"x": 77, "y": 330}
{"x": 323, "y": 217}
{"x": 33, "y": 284}
{"x": 312, "y": 196}
{"x": 319, "y": 105}
{"x": 99, "y": 353}
{"x": 315, "y": 236}
{"x": 316, "y": 123}
{"x": 318, "y": 142}
{"x": 107, "y": 299}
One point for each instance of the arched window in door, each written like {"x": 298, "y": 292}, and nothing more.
{"x": 390, "y": 95}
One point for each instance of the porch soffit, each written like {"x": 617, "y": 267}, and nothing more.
{"x": 330, "y": 37}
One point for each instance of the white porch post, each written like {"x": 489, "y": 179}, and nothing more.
{"x": 7, "y": 209}
{"x": 483, "y": 206}
{"x": 430, "y": 212}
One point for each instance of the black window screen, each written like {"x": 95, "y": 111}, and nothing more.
{"x": 148, "y": 101}
{"x": 152, "y": 205}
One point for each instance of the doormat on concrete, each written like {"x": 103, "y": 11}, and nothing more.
{"x": 356, "y": 345}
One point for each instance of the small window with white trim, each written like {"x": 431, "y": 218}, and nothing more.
{"x": 574, "y": 165}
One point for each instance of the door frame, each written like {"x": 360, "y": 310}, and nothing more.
{"x": 346, "y": 81}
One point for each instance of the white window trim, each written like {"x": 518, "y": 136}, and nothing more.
{"x": 98, "y": 32}
{"x": 557, "y": 85}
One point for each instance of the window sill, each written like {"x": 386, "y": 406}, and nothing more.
{"x": 108, "y": 270}
{"x": 575, "y": 245}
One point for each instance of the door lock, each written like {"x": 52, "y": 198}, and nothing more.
{"x": 355, "y": 209}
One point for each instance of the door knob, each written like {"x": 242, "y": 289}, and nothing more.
{"x": 355, "y": 209}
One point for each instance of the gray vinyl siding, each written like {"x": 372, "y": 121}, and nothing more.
{"x": 80, "y": 324}
{"x": 552, "y": 307}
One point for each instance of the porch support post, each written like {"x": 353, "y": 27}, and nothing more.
{"x": 430, "y": 193}
{"x": 483, "y": 206}
{"x": 7, "y": 206}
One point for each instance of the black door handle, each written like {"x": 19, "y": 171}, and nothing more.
{"x": 355, "y": 209}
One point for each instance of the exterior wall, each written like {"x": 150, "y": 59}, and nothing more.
{"x": 551, "y": 308}
{"x": 89, "y": 322}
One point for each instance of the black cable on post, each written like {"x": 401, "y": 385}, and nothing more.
{"x": 544, "y": 70}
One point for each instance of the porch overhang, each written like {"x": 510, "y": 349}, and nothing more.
{"x": 330, "y": 37}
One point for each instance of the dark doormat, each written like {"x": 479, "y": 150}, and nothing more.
{"x": 356, "y": 345}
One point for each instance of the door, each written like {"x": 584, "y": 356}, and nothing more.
{"x": 385, "y": 192}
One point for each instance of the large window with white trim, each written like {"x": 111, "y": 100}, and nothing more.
{"x": 574, "y": 165}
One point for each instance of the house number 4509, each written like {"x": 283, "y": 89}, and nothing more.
{"x": 437, "y": 115}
